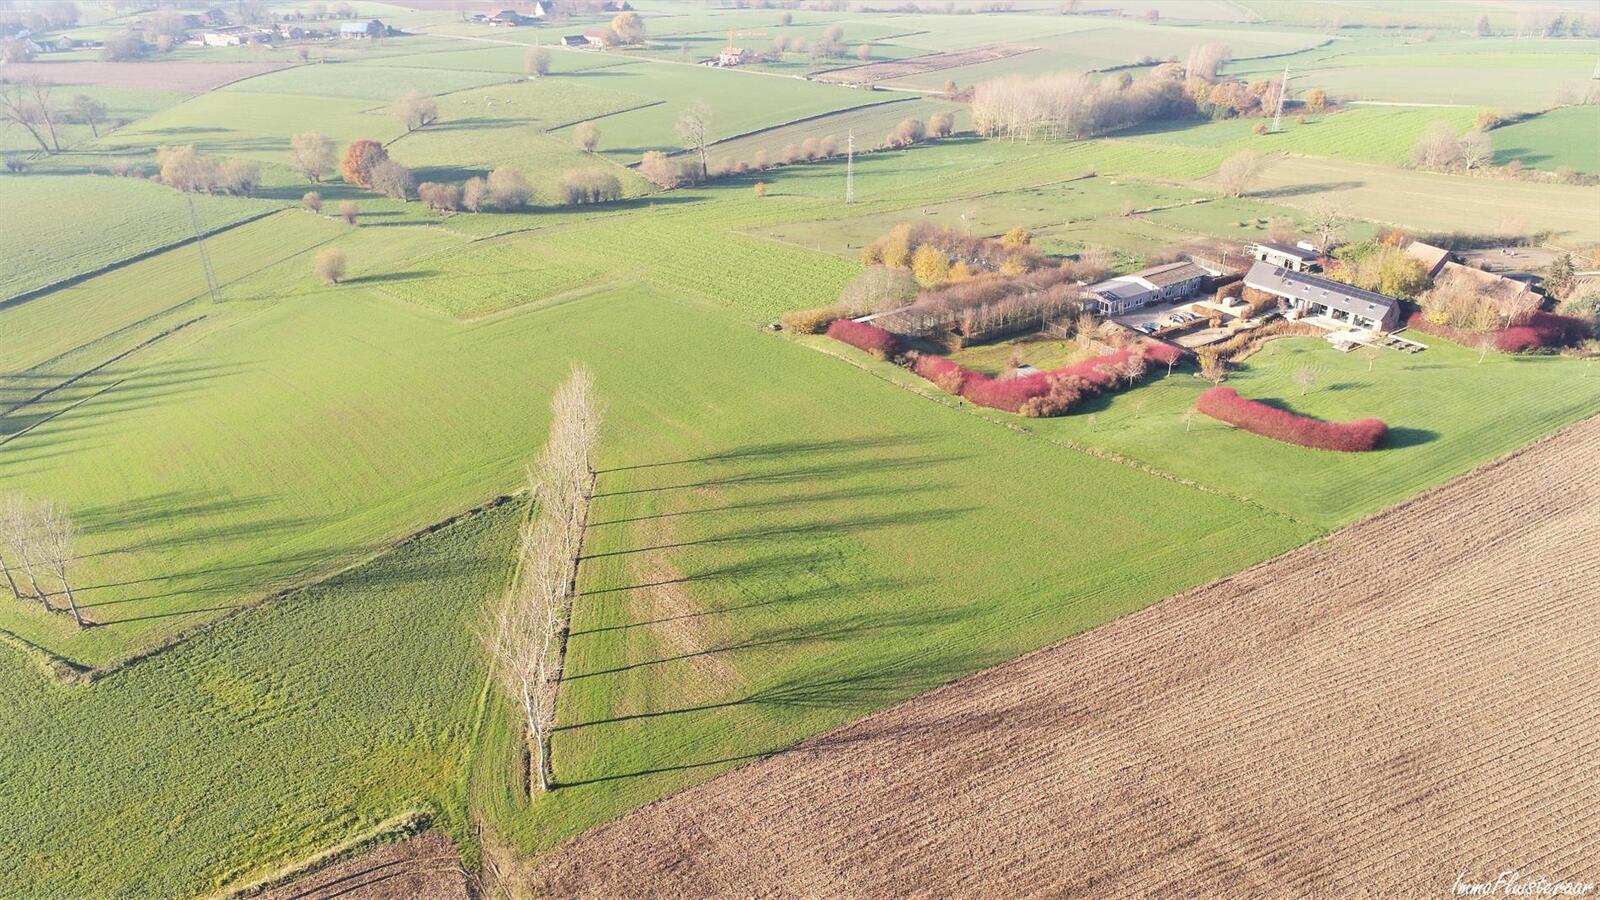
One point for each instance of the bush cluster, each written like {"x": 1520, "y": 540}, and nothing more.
{"x": 1540, "y": 331}
{"x": 1226, "y": 405}
{"x": 1052, "y": 393}
{"x": 876, "y": 341}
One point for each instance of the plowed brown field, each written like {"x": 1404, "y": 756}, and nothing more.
{"x": 1412, "y": 699}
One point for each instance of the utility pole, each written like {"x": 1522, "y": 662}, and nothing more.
{"x": 200, "y": 242}
{"x": 1283, "y": 93}
{"x": 850, "y": 167}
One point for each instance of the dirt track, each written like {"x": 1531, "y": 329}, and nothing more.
{"x": 1414, "y": 698}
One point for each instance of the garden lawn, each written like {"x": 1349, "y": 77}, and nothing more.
{"x": 1446, "y": 412}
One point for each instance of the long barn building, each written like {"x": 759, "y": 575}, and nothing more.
{"x": 1324, "y": 301}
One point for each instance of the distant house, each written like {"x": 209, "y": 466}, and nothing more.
{"x": 732, "y": 56}
{"x": 617, "y": 6}
{"x": 598, "y": 38}
{"x": 1157, "y": 284}
{"x": 1433, "y": 259}
{"x": 573, "y": 40}
{"x": 1295, "y": 259}
{"x": 214, "y": 17}
{"x": 507, "y": 18}
{"x": 360, "y": 31}
{"x": 231, "y": 36}
{"x": 1325, "y": 302}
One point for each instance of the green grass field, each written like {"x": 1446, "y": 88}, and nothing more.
{"x": 1568, "y": 137}
{"x": 58, "y": 227}
{"x": 786, "y": 534}
{"x": 1363, "y": 134}
{"x": 1430, "y": 201}
{"x": 1526, "y": 73}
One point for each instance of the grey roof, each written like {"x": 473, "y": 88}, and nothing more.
{"x": 1287, "y": 250}
{"x": 1265, "y": 276}
{"x": 1119, "y": 289}
{"x": 1171, "y": 273}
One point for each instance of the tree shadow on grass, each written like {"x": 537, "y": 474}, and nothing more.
{"x": 1400, "y": 438}
{"x": 1301, "y": 190}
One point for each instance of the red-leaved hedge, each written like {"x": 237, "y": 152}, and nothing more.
{"x": 1543, "y": 330}
{"x": 1225, "y": 404}
{"x": 862, "y": 336}
{"x": 1091, "y": 376}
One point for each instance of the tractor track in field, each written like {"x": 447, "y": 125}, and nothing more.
{"x": 1409, "y": 701}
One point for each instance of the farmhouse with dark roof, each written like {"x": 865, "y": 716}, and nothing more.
{"x": 1324, "y": 301}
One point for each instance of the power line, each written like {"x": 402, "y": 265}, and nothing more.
{"x": 1283, "y": 92}
{"x": 850, "y": 167}
{"x": 200, "y": 242}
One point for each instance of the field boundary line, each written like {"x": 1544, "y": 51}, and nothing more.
{"x": 82, "y": 674}
{"x": 401, "y": 825}
{"x": 1085, "y": 449}
{"x": 608, "y": 115}
{"x": 36, "y": 293}
{"x": 802, "y": 121}
{"x": 87, "y": 372}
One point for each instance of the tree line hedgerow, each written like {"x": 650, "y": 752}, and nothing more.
{"x": 1052, "y": 393}
{"x": 1226, "y": 405}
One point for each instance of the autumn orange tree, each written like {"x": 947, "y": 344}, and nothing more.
{"x": 360, "y": 158}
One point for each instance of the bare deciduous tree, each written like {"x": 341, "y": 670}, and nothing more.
{"x": 54, "y": 535}
{"x": 416, "y": 109}
{"x": 537, "y": 61}
{"x": 19, "y": 533}
{"x": 1305, "y": 377}
{"x": 392, "y": 180}
{"x": 1326, "y": 220}
{"x": 526, "y": 636}
{"x": 586, "y": 136}
{"x": 90, "y": 110}
{"x": 27, "y": 103}
{"x": 311, "y": 154}
{"x": 694, "y": 126}
{"x": 1240, "y": 172}
{"x": 329, "y": 265}
{"x": 10, "y": 538}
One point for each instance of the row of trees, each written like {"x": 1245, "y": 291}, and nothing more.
{"x": 185, "y": 168}
{"x": 36, "y": 537}
{"x": 526, "y": 636}
{"x": 1073, "y": 105}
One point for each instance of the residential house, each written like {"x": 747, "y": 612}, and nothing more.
{"x": 508, "y": 18}
{"x": 1325, "y": 302}
{"x": 1433, "y": 259}
{"x": 360, "y": 31}
{"x": 1511, "y": 298}
{"x": 231, "y": 36}
{"x": 1284, "y": 256}
{"x": 617, "y": 6}
{"x": 601, "y": 37}
{"x": 1157, "y": 284}
{"x": 732, "y": 56}
{"x": 573, "y": 40}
